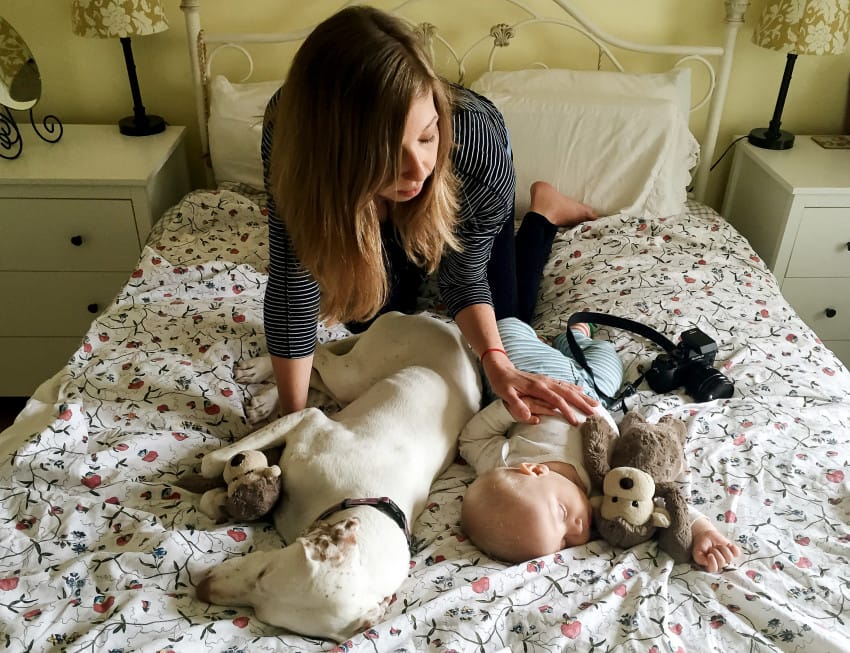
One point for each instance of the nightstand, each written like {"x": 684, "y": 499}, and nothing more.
{"x": 74, "y": 216}
{"x": 794, "y": 208}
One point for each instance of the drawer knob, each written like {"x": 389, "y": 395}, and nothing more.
{"x": 93, "y": 308}
{"x": 76, "y": 241}
{"x": 831, "y": 312}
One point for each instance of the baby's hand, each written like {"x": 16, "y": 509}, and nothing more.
{"x": 711, "y": 549}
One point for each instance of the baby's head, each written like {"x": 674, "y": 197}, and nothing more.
{"x": 524, "y": 512}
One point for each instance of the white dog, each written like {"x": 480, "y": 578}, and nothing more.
{"x": 410, "y": 384}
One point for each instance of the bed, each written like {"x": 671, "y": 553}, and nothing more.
{"x": 103, "y": 546}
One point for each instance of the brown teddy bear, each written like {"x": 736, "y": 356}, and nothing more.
{"x": 634, "y": 470}
{"x": 253, "y": 488}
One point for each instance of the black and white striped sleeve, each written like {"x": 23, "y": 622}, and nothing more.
{"x": 291, "y": 307}
{"x": 483, "y": 165}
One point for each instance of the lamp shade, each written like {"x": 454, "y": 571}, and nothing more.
{"x": 804, "y": 26}
{"x": 117, "y": 18}
{"x": 20, "y": 82}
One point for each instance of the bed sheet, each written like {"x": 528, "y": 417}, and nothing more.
{"x": 102, "y": 547}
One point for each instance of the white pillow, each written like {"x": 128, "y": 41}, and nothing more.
{"x": 672, "y": 85}
{"x": 235, "y": 129}
{"x": 619, "y": 147}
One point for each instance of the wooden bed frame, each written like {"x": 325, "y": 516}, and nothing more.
{"x": 204, "y": 45}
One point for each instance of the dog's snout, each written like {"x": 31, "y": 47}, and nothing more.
{"x": 627, "y": 483}
{"x": 237, "y": 460}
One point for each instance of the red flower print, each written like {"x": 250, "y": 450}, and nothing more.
{"x": 91, "y": 480}
{"x": 571, "y": 629}
{"x": 102, "y": 603}
{"x": 10, "y": 583}
{"x": 835, "y": 476}
{"x": 237, "y": 534}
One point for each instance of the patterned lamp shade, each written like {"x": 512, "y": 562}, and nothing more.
{"x": 118, "y": 18}
{"x": 20, "y": 83}
{"x": 804, "y": 26}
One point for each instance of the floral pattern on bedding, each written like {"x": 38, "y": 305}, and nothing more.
{"x": 102, "y": 545}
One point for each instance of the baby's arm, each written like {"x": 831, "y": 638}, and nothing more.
{"x": 711, "y": 549}
{"x": 483, "y": 436}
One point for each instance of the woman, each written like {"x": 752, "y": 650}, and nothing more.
{"x": 379, "y": 173}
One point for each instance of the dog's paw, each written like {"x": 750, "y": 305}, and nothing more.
{"x": 331, "y": 543}
{"x": 262, "y": 405}
{"x": 253, "y": 370}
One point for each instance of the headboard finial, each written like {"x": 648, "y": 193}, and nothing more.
{"x": 502, "y": 34}
{"x": 735, "y": 10}
{"x": 425, "y": 33}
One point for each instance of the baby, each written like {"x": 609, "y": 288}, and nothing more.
{"x": 531, "y": 496}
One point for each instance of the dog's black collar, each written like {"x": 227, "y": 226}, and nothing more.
{"x": 384, "y": 504}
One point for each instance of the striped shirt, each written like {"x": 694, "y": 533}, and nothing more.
{"x": 482, "y": 163}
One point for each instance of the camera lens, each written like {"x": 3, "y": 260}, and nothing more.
{"x": 707, "y": 384}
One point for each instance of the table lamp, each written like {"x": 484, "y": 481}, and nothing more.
{"x": 797, "y": 27}
{"x": 20, "y": 90}
{"x": 123, "y": 19}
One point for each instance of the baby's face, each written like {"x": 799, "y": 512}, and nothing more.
{"x": 555, "y": 512}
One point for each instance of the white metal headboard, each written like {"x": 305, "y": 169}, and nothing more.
{"x": 717, "y": 59}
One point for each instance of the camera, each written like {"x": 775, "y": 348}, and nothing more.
{"x": 690, "y": 365}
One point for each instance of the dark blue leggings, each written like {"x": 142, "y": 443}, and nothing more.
{"x": 513, "y": 272}
{"x": 516, "y": 265}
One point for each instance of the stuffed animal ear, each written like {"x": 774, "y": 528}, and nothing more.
{"x": 660, "y": 517}
{"x": 598, "y": 438}
{"x": 273, "y": 471}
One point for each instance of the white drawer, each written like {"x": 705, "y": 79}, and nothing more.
{"x": 814, "y": 299}
{"x": 68, "y": 234}
{"x": 27, "y": 362}
{"x": 822, "y": 244}
{"x": 43, "y": 304}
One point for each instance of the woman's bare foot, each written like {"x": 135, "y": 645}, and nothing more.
{"x": 559, "y": 209}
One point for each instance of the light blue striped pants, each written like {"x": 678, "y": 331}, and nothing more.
{"x": 528, "y": 353}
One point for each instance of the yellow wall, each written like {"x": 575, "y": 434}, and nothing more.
{"x": 85, "y": 80}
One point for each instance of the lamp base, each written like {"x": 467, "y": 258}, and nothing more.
{"x": 764, "y": 138}
{"x": 147, "y": 125}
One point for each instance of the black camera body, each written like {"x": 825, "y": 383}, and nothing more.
{"x": 690, "y": 364}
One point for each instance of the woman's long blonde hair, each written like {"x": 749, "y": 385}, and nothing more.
{"x": 337, "y": 142}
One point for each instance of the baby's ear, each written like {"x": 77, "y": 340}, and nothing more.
{"x": 534, "y": 469}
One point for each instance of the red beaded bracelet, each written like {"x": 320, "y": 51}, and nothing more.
{"x": 491, "y": 350}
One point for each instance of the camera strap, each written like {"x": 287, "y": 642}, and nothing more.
{"x": 625, "y": 324}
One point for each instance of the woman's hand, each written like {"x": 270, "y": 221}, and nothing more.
{"x": 528, "y": 395}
